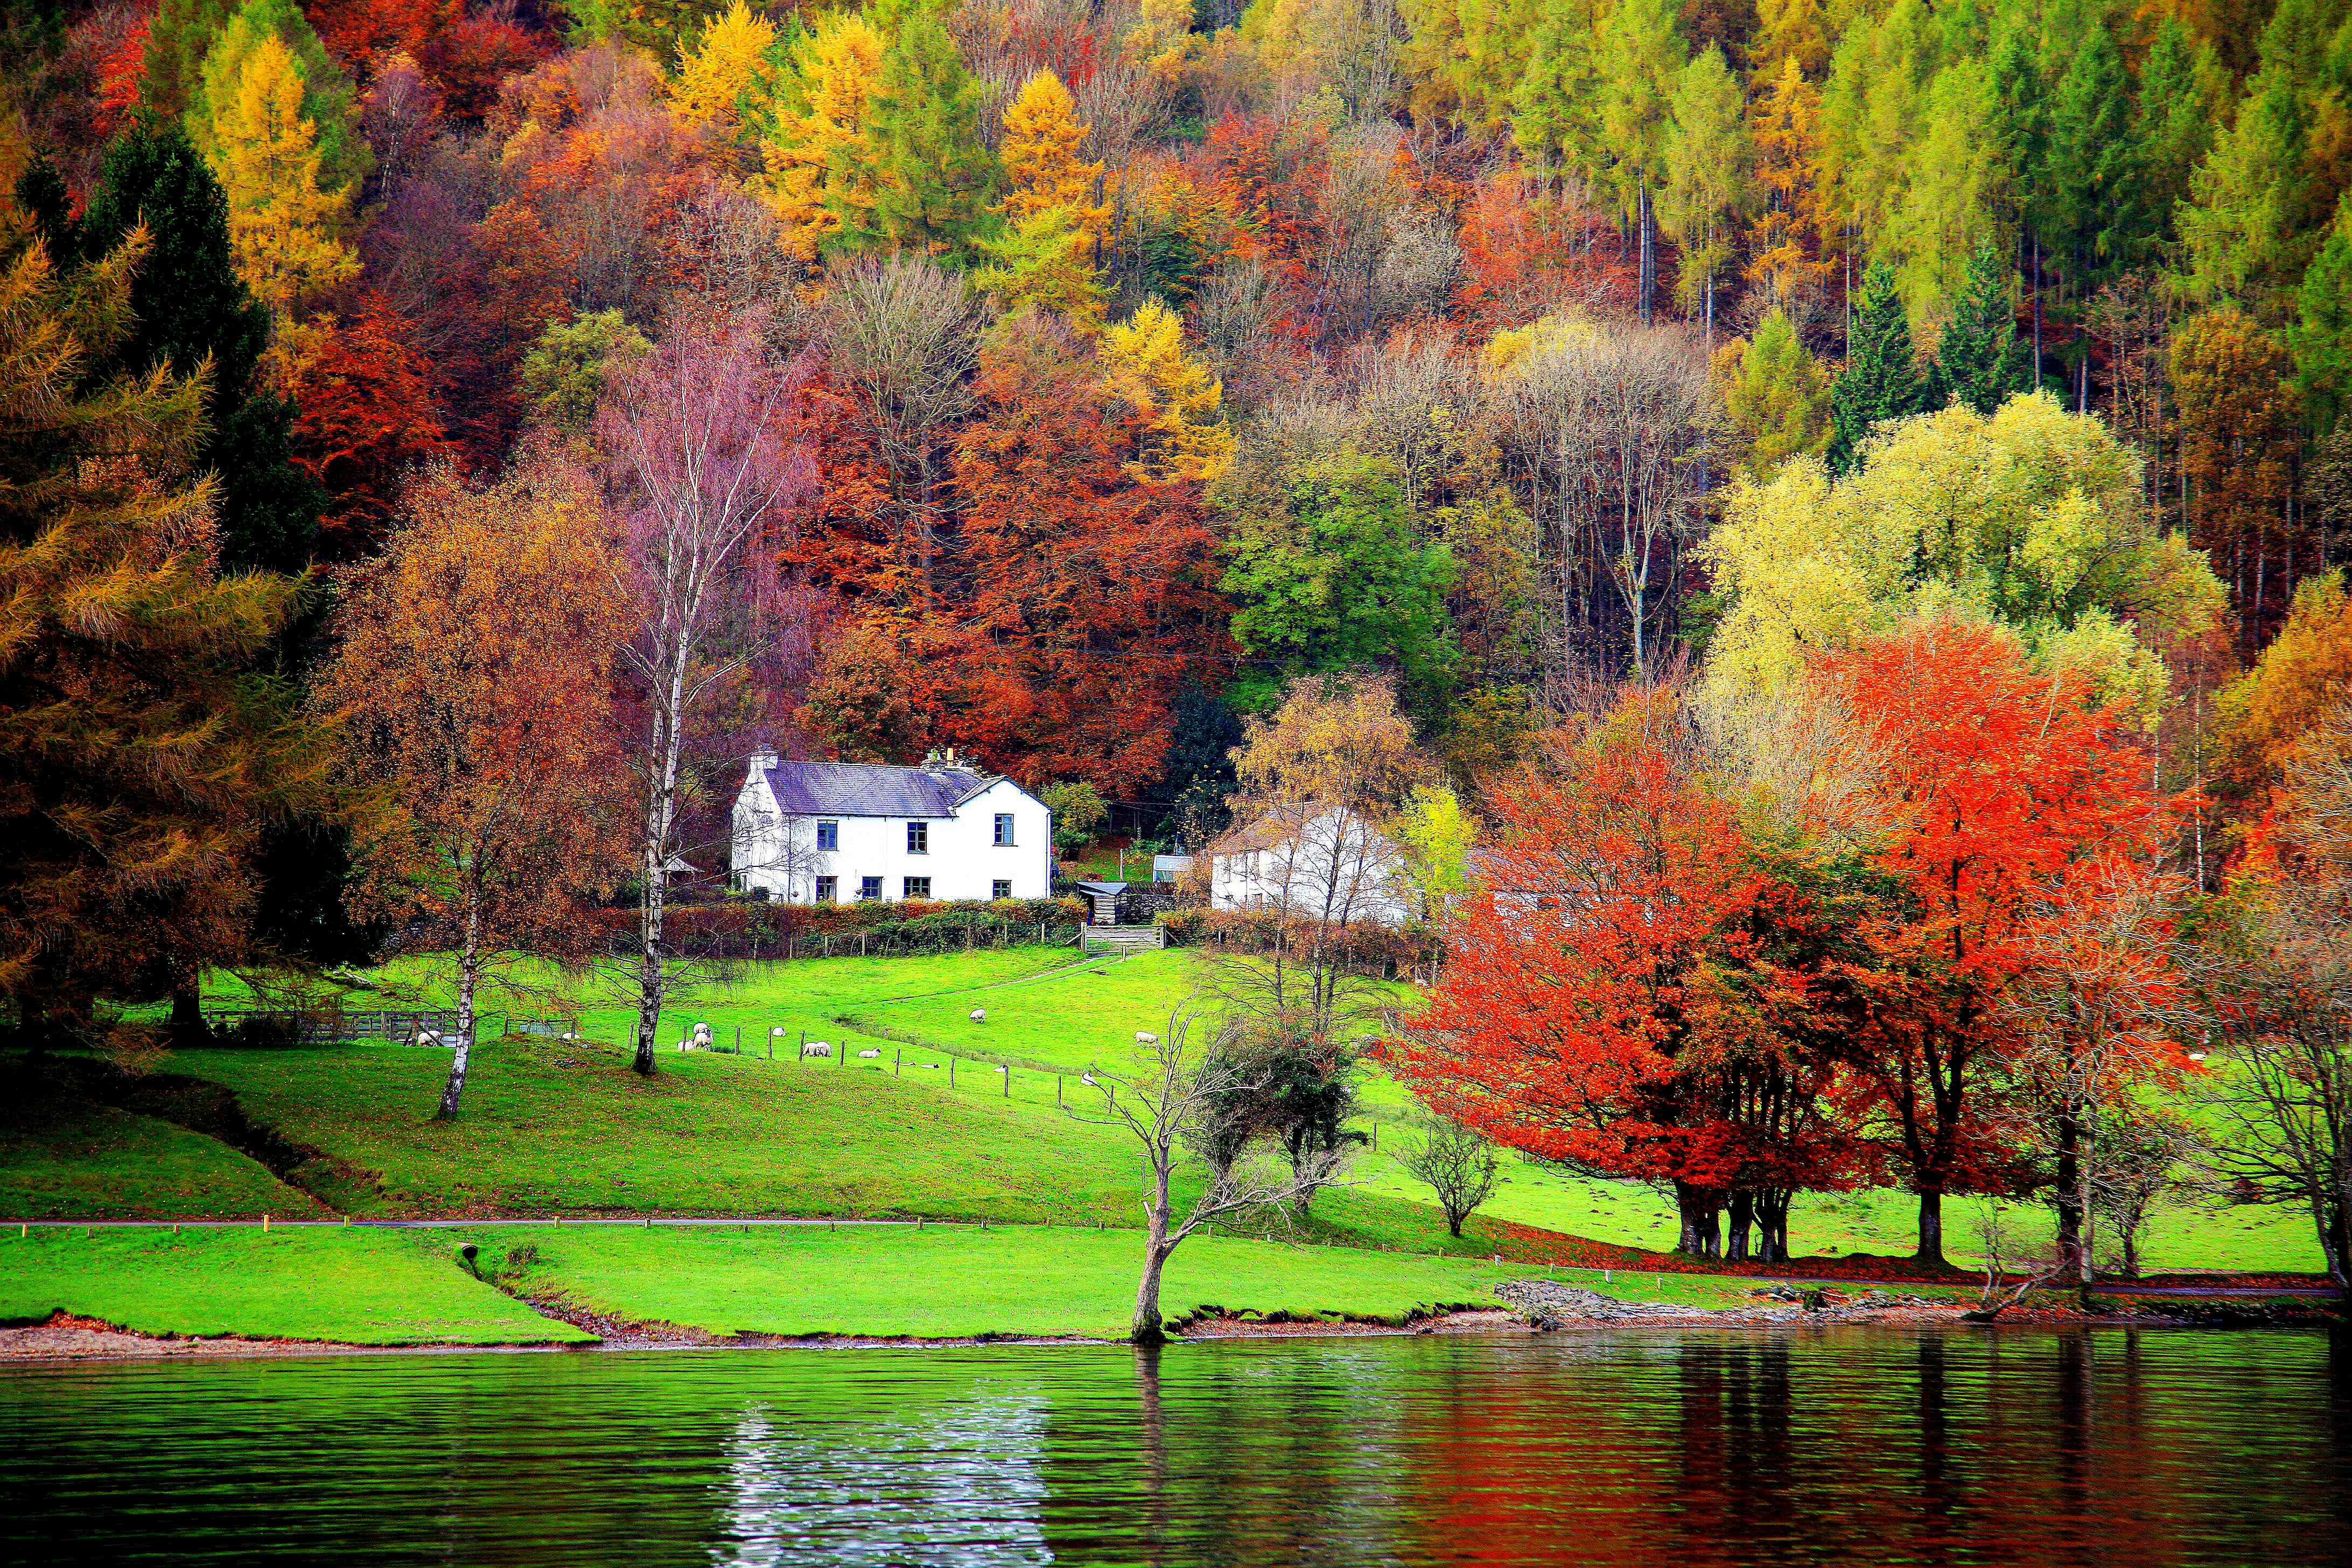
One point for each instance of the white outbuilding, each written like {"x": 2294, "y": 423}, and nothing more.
{"x": 828, "y": 833}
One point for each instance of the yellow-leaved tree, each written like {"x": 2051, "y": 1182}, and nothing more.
{"x": 286, "y": 231}
{"x": 725, "y": 72}
{"x": 2030, "y": 516}
{"x": 821, "y": 164}
{"x": 1043, "y": 260}
{"x": 1144, "y": 361}
{"x": 1043, "y": 170}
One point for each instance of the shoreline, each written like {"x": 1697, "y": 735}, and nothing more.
{"x": 66, "y": 1339}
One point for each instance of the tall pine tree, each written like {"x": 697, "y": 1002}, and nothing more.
{"x": 938, "y": 177}
{"x": 1880, "y": 381}
{"x": 190, "y": 304}
{"x": 1979, "y": 361}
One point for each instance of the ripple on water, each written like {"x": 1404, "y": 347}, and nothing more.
{"x": 1855, "y": 1447}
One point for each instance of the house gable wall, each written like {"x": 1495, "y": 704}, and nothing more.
{"x": 961, "y": 857}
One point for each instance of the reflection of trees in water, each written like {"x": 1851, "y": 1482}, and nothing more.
{"x": 964, "y": 1487}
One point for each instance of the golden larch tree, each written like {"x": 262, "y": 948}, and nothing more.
{"x": 1144, "y": 361}
{"x": 821, "y": 162}
{"x": 284, "y": 229}
{"x": 1043, "y": 170}
{"x": 726, "y": 68}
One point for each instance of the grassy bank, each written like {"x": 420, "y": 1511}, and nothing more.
{"x": 354, "y": 1287}
{"x": 371, "y": 1287}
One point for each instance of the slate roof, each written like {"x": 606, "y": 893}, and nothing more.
{"x": 864, "y": 789}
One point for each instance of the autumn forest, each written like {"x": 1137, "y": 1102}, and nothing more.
{"x": 1815, "y": 523}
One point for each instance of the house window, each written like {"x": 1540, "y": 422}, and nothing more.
{"x": 869, "y": 886}
{"x": 828, "y": 835}
{"x": 918, "y": 888}
{"x": 828, "y": 889}
{"x": 919, "y": 838}
{"x": 1000, "y": 888}
{"x": 1003, "y": 827}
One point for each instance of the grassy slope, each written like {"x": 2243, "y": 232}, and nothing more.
{"x": 722, "y": 1134}
{"x": 356, "y": 1285}
{"x": 68, "y": 1158}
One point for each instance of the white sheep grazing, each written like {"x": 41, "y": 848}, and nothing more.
{"x": 428, "y": 1037}
{"x": 1146, "y": 1037}
{"x": 1003, "y": 1070}
{"x": 867, "y": 1055}
{"x": 1087, "y": 1078}
{"x": 979, "y": 1014}
{"x": 817, "y": 1048}
{"x": 702, "y": 1036}
{"x": 777, "y": 1034}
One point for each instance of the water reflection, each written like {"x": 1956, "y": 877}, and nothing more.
{"x": 1698, "y": 1448}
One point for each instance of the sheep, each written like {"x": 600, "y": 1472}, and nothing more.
{"x": 817, "y": 1048}
{"x": 867, "y": 1055}
{"x": 979, "y": 1014}
{"x": 1087, "y": 1078}
{"x": 428, "y": 1037}
{"x": 1146, "y": 1037}
{"x": 702, "y": 1036}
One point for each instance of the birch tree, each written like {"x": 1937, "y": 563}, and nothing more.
{"x": 700, "y": 436}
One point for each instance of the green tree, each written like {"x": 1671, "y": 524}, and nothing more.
{"x": 1078, "y": 814}
{"x": 1880, "y": 381}
{"x": 1774, "y": 397}
{"x": 2182, "y": 90}
{"x": 2322, "y": 335}
{"x": 1948, "y": 207}
{"x": 1640, "y": 60}
{"x": 564, "y": 374}
{"x": 2243, "y": 234}
{"x": 1551, "y": 108}
{"x": 178, "y": 38}
{"x": 190, "y": 306}
{"x": 938, "y": 176}
{"x": 1709, "y": 163}
{"x": 1979, "y": 361}
{"x": 1330, "y": 572}
{"x": 1042, "y": 261}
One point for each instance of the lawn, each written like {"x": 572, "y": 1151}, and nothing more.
{"x": 377, "y": 1287}
{"x": 356, "y": 1287}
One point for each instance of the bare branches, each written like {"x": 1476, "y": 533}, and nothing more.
{"x": 1460, "y": 1166}
{"x": 1178, "y": 1106}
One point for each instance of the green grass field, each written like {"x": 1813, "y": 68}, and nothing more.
{"x": 355, "y": 1286}
{"x": 551, "y": 1128}
{"x": 359, "y": 1285}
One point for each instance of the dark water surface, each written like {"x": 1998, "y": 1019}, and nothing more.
{"x": 1848, "y": 1446}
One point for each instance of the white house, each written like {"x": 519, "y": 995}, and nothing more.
{"x": 1310, "y": 861}
{"x": 825, "y": 833}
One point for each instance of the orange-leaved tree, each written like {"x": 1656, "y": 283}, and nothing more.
{"x": 1589, "y": 968}
{"x": 473, "y": 688}
{"x": 1093, "y": 592}
{"x": 2002, "y": 784}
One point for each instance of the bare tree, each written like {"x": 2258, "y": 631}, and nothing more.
{"x": 903, "y": 334}
{"x": 1460, "y": 1166}
{"x": 1619, "y": 429}
{"x": 705, "y": 458}
{"x": 2013, "y": 1268}
{"x": 1179, "y": 1107}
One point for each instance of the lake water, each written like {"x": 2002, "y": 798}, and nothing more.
{"x": 1844, "y": 1445}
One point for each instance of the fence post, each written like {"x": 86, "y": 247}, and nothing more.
{"x": 738, "y": 1039}
{"x": 897, "y": 1064}
{"x": 950, "y": 1069}
{"x": 1008, "y": 1080}
{"x": 803, "y": 1047}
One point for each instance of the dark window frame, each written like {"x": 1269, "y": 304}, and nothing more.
{"x": 918, "y": 838}
{"x": 828, "y": 835}
{"x": 906, "y": 887}
{"x": 828, "y": 889}
{"x": 869, "y": 887}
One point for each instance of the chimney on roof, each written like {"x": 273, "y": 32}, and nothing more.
{"x": 761, "y": 759}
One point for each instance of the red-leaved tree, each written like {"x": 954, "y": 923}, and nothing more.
{"x": 2001, "y": 785}
{"x": 1587, "y": 988}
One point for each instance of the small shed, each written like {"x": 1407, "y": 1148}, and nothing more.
{"x": 1103, "y": 899}
{"x": 1170, "y": 868}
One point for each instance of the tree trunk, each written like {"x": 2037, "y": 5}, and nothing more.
{"x": 661, "y": 818}
{"x": 2073, "y": 1249}
{"x": 1931, "y": 1230}
{"x": 187, "y": 1027}
{"x": 469, "y": 969}
{"x": 1772, "y": 1215}
{"x": 1148, "y": 1329}
{"x": 1702, "y": 1212}
{"x": 1743, "y": 1218}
